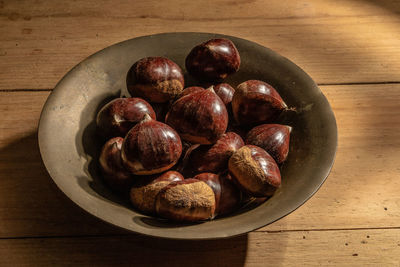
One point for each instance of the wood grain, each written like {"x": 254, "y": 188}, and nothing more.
{"x": 334, "y": 41}
{"x": 361, "y": 192}
{"x": 314, "y": 248}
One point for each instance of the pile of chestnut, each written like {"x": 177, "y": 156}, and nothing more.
{"x": 190, "y": 154}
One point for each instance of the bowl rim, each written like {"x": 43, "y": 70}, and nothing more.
{"x": 332, "y": 121}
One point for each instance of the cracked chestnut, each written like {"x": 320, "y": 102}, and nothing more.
{"x": 188, "y": 200}
{"x": 156, "y": 79}
{"x": 273, "y": 138}
{"x": 256, "y": 102}
{"x": 255, "y": 171}
{"x": 118, "y": 116}
{"x": 151, "y": 147}
{"x": 213, "y": 60}
{"x": 199, "y": 118}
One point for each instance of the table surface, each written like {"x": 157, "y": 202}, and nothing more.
{"x": 350, "y": 48}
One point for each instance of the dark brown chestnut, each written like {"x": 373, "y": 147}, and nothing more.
{"x": 156, "y": 79}
{"x": 227, "y": 195}
{"x": 199, "y": 118}
{"x": 151, "y": 147}
{"x": 190, "y": 90}
{"x": 273, "y": 138}
{"x": 113, "y": 170}
{"x": 143, "y": 197}
{"x": 256, "y": 102}
{"x": 255, "y": 171}
{"x": 214, "y": 158}
{"x": 117, "y": 117}
{"x": 213, "y": 60}
{"x": 225, "y": 92}
{"x": 188, "y": 200}
{"x": 161, "y": 110}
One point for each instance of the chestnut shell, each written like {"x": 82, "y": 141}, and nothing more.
{"x": 273, "y": 138}
{"x": 255, "y": 171}
{"x": 225, "y": 92}
{"x": 256, "y": 102}
{"x": 190, "y": 90}
{"x": 112, "y": 168}
{"x": 188, "y": 200}
{"x": 143, "y": 196}
{"x": 227, "y": 195}
{"x": 199, "y": 118}
{"x": 214, "y": 158}
{"x": 213, "y": 60}
{"x": 157, "y": 79}
{"x": 118, "y": 116}
{"x": 151, "y": 147}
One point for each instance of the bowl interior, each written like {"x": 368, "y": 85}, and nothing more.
{"x": 69, "y": 146}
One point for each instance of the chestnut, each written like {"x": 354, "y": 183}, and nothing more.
{"x": 151, "y": 147}
{"x": 117, "y": 117}
{"x": 213, "y": 60}
{"x": 112, "y": 168}
{"x": 214, "y": 158}
{"x": 225, "y": 92}
{"x": 143, "y": 197}
{"x": 156, "y": 79}
{"x": 161, "y": 110}
{"x": 190, "y": 90}
{"x": 199, "y": 118}
{"x": 188, "y": 200}
{"x": 255, "y": 171}
{"x": 227, "y": 195}
{"x": 256, "y": 102}
{"x": 273, "y": 138}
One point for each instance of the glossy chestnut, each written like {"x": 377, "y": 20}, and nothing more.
{"x": 188, "y": 200}
{"x": 256, "y": 102}
{"x": 199, "y": 118}
{"x": 112, "y": 168}
{"x": 225, "y": 92}
{"x": 273, "y": 138}
{"x": 143, "y": 196}
{"x": 213, "y": 60}
{"x": 214, "y": 158}
{"x": 156, "y": 79}
{"x": 255, "y": 171}
{"x": 151, "y": 147}
{"x": 117, "y": 117}
{"x": 227, "y": 195}
{"x": 190, "y": 90}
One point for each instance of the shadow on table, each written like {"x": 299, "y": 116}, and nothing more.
{"x": 35, "y": 207}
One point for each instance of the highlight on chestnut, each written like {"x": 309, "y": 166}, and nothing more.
{"x": 189, "y": 154}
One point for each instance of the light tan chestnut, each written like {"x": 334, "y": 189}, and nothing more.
{"x": 143, "y": 196}
{"x": 255, "y": 171}
{"x": 188, "y": 200}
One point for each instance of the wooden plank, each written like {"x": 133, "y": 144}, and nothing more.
{"x": 361, "y": 192}
{"x": 30, "y": 203}
{"x": 314, "y": 248}
{"x": 334, "y": 41}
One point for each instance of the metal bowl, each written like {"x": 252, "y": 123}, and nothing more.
{"x": 69, "y": 147}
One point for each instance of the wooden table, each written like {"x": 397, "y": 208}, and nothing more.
{"x": 351, "y": 48}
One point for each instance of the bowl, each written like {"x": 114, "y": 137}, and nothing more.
{"x": 70, "y": 149}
